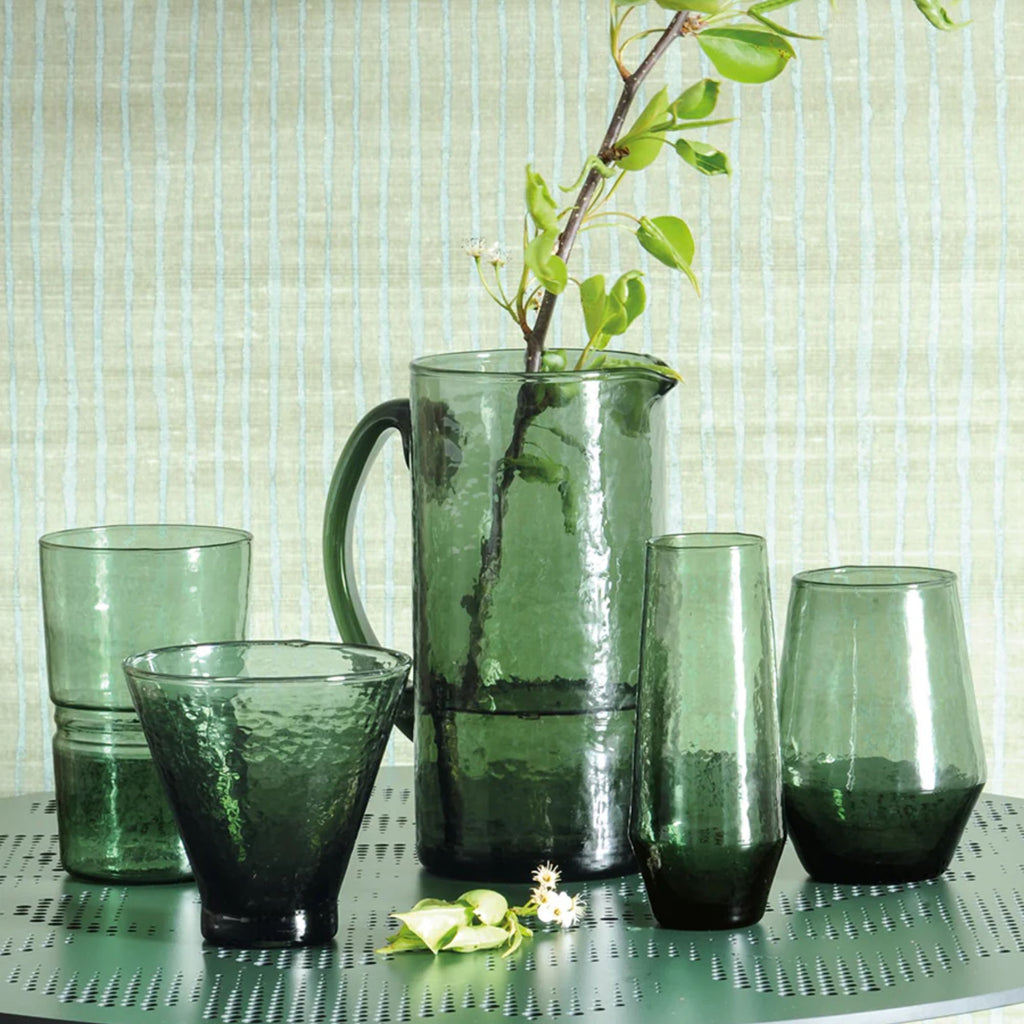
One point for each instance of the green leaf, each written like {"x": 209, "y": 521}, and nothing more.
{"x": 535, "y": 469}
{"x": 471, "y": 937}
{"x": 615, "y": 362}
{"x": 631, "y": 407}
{"x": 629, "y": 291}
{"x": 937, "y": 15}
{"x": 571, "y": 509}
{"x": 563, "y": 435}
{"x": 652, "y": 115}
{"x": 554, "y": 394}
{"x": 624, "y": 303}
{"x": 711, "y": 122}
{"x": 479, "y": 919}
{"x": 547, "y": 266}
{"x": 489, "y": 906}
{"x": 539, "y": 202}
{"x": 405, "y": 940}
{"x": 701, "y": 6}
{"x": 553, "y": 360}
{"x": 696, "y": 102}
{"x": 703, "y": 157}
{"x": 642, "y": 143}
{"x": 615, "y": 321}
{"x": 611, "y": 313}
{"x": 669, "y": 240}
{"x": 639, "y": 151}
{"x": 749, "y": 55}
{"x": 758, "y": 13}
{"x": 770, "y": 5}
{"x": 435, "y": 922}
{"x": 592, "y": 299}
{"x": 517, "y": 930}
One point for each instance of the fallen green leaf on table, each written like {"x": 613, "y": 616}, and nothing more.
{"x": 482, "y": 919}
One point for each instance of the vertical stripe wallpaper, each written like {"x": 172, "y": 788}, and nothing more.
{"x": 228, "y": 226}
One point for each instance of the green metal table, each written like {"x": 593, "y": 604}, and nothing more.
{"x": 89, "y": 952}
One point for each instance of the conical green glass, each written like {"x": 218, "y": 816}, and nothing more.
{"x": 706, "y": 821}
{"x": 533, "y": 495}
{"x": 882, "y": 751}
{"x": 268, "y": 751}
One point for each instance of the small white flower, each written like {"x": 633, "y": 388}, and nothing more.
{"x": 541, "y": 895}
{"x": 555, "y": 907}
{"x": 475, "y": 247}
{"x": 547, "y": 876}
{"x": 574, "y": 913}
{"x": 560, "y": 908}
{"x": 496, "y": 255}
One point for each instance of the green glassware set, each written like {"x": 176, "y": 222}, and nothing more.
{"x": 585, "y": 691}
{"x": 246, "y": 764}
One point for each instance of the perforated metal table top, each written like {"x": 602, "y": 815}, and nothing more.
{"x": 89, "y": 952}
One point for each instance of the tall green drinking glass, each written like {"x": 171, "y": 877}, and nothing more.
{"x": 533, "y": 495}
{"x": 108, "y": 592}
{"x": 882, "y": 752}
{"x": 706, "y": 821}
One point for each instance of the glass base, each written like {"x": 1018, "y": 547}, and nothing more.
{"x": 106, "y": 871}
{"x": 113, "y": 819}
{"x": 544, "y": 775}
{"x": 691, "y": 916}
{"x": 875, "y": 836}
{"x": 310, "y": 926}
{"x": 705, "y": 887}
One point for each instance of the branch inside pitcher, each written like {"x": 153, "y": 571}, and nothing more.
{"x": 739, "y": 52}
{"x": 528, "y": 406}
{"x": 533, "y": 397}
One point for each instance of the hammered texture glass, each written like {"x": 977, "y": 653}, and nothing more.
{"x": 526, "y": 636}
{"x": 268, "y": 751}
{"x": 706, "y": 821}
{"x": 108, "y": 592}
{"x": 882, "y": 751}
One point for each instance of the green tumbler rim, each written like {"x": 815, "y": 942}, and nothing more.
{"x": 704, "y": 540}
{"x": 144, "y": 537}
{"x": 881, "y": 577}
{"x": 145, "y": 665}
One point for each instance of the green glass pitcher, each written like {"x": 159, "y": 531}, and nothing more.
{"x": 532, "y": 498}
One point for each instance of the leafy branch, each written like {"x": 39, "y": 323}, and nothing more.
{"x": 739, "y": 51}
{"x": 746, "y": 46}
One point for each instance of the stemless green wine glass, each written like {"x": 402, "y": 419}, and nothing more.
{"x": 706, "y": 820}
{"x": 110, "y": 591}
{"x": 882, "y": 752}
{"x": 268, "y": 751}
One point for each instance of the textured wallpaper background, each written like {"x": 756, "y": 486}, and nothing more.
{"x": 227, "y": 227}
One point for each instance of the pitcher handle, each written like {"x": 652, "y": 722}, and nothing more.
{"x": 342, "y": 498}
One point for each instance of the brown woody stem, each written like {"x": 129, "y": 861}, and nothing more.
{"x": 536, "y": 336}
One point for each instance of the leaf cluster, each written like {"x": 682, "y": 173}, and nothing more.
{"x": 478, "y": 919}
{"x": 746, "y": 45}
{"x": 742, "y": 54}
